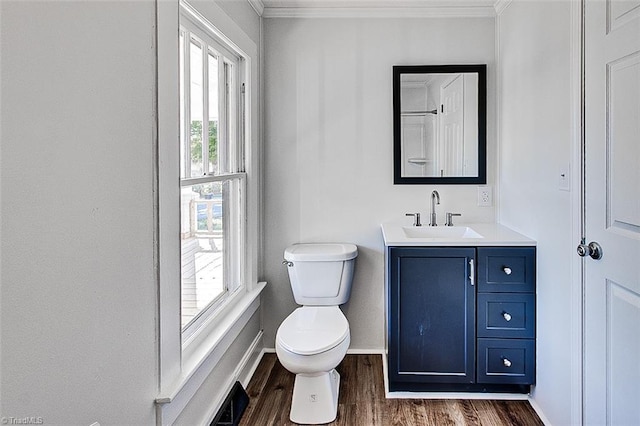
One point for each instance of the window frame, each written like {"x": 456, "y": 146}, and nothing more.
{"x": 192, "y": 26}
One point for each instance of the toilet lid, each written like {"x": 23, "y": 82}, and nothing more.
{"x": 313, "y": 329}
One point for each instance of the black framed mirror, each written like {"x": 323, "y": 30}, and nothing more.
{"x": 440, "y": 124}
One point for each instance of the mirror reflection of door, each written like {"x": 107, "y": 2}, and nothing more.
{"x": 452, "y": 118}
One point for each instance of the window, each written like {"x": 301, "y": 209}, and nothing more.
{"x": 212, "y": 177}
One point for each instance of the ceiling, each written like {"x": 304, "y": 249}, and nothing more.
{"x": 375, "y": 8}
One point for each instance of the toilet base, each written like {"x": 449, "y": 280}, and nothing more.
{"x": 315, "y": 398}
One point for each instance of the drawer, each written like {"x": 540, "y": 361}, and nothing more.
{"x": 506, "y": 269}
{"x": 505, "y": 361}
{"x": 510, "y": 315}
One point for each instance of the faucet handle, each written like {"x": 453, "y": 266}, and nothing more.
{"x": 450, "y": 216}
{"x": 416, "y": 218}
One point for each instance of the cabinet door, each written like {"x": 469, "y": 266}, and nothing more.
{"x": 432, "y": 312}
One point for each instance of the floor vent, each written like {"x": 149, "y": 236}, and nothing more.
{"x": 234, "y": 405}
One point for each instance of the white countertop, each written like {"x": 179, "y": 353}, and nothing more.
{"x": 493, "y": 234}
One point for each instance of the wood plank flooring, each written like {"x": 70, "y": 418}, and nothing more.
{"x": 362, "y": 400}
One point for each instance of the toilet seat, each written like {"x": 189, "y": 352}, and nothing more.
{"x": 311, "y": 330}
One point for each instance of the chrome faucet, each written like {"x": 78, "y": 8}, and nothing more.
{"x": 435, "y": 199}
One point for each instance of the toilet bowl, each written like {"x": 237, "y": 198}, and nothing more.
{"x": 311, "y": 342}
{"x": 314, "y": 338}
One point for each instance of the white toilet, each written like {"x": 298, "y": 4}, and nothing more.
{"x": 314, "y": 339}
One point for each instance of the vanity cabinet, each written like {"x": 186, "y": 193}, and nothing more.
{"x": 461, "y": 318}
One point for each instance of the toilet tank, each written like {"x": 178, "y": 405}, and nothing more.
{"x": 321, "y": 273}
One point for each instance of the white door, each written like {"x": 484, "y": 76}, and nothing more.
{"x": 612, "y": 211}
{"x": 452, "y": 125}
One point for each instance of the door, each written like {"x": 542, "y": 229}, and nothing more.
{"x": 452, "y": 125}
{"x": 611, "y": 328}
{"x": 432, "y": 313}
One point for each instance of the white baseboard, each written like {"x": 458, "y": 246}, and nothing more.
{"x": 356, "y": 351}
{"x": 250, "y": 361}
{"x": 539, "y": 412}
{"x": 243, "y": 373}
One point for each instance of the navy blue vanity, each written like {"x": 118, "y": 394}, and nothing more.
{"x": 460, "y": 311}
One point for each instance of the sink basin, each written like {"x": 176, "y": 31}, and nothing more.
{"x": 440, "y": 232}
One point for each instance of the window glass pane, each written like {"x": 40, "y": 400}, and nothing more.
{"x": 213, "y": 113}
{"x": 202, "y": 246}
{"x": 196, "y": 108}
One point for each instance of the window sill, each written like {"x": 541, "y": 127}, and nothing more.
{"x": 201, "y": 355}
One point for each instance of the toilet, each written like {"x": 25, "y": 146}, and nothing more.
{"x": 314, "y": 338}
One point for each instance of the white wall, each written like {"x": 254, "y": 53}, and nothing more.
{"x": 78, "y": 289}
{"x": 243, "y": 15}
{"x": 329, "y": 144}
{"x": 536, "y": 142}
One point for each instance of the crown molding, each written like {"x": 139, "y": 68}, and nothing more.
{"x": 258, "y": 6}
{"x": 501, "y": 5}
{"x": 380, "y": 12}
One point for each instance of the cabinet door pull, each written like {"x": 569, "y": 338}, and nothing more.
{"x": 471, "y": 272}
{"x": 506, "y": 270}
{"x": 506, "y": 316}
{"x": 506, "y": 362}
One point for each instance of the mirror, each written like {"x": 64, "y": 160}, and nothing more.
{"x": 439, "y": 124}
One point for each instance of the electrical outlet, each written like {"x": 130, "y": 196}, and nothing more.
{"x": 484, "y": 196}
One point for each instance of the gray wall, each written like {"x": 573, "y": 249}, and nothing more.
{"x": 329, "y": 143}
{"x": 536, "y": 143}
{"x": 78, "y": 289}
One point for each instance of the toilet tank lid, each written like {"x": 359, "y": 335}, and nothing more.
{"x": 320, "y": 252}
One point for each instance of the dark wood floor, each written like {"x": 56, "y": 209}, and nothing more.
{"x": 362, "y": 401}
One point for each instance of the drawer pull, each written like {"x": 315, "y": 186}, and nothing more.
{"x": 506, "y": 270}
{"x": 506, "y": 316}
{"x": 506, "y": 362}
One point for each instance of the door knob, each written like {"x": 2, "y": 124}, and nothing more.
{"x": 592, "y": 249}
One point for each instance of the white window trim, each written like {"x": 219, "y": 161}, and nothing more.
{"x": 183, "y": 368}
{"x": 197, "y": 29}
